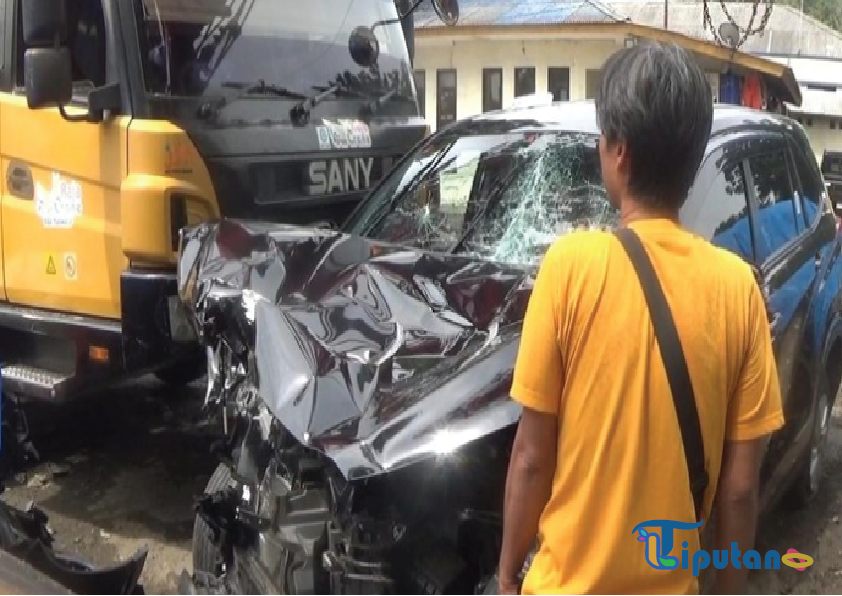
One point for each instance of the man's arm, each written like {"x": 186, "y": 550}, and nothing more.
{"x": 754, "y": 413}
{"x": 737, "y": 507}
{"x": 537, "y": 385}
{"x": 528, "y": 486}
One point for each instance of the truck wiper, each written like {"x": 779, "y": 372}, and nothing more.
{"x": 261, "y": 88}
{"x": 300, "y": 113}
{"x": 377, "y": 103}
{"x": 246, "y": 89}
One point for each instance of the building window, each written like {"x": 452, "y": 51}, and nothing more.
{"x": 558, "y": 83}
{"x": 592, "y": 79}
{"x": 524, "y": 81}
{"x": 833, "y": 125}
{"x": 809, "y": 122}
{"x": 492, "y": 89}
{"x": 445, "y": 97}
{"x": 421, "y": 89}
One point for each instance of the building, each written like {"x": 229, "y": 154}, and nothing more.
{"x": 810, "y": 48}
{"x": 501, "y": 49}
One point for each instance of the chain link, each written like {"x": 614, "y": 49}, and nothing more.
{"x": 745, "y": 32}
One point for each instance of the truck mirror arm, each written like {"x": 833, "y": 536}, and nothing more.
{"x": 100, "y": 100}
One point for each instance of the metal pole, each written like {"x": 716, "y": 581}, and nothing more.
{"x": 666, "y": 11}
{"x": 801, "y": 27}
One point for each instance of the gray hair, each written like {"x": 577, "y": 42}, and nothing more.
{"x": 656, "y": 98}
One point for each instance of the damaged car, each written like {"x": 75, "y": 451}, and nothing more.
{"x": 361, "y": 376}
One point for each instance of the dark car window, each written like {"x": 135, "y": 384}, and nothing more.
{"x": 777, "y": 215}
{"x": 811, "y": 184}
{"x": 724, "y": 216}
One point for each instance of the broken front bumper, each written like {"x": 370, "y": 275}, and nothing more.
{"x": 30, "y": 565}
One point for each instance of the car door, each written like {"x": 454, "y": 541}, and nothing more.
{"x": 788, "y": 267}
{"x": 60, "y": 202}
{"x": 819, "y": 237}
{"x": 720, "y": 209}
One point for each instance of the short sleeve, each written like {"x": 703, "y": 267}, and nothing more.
{"x": 539, "y": 372}
{"x": 755, "y": 408}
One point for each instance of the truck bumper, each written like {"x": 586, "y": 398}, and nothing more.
{"x": 154, "y": 329}
{"x": 51, "y": 356}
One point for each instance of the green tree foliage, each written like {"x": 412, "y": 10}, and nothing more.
{"x": 827, "y": 11}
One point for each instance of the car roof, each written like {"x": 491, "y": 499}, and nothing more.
{"x": 580, "y": 116}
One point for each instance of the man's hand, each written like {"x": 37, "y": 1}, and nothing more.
{"x": 528, "y": 487}
{"x": 509, "y": 587}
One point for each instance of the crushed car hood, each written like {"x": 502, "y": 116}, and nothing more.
{"x": 374, "y": 354}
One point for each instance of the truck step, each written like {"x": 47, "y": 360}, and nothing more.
{"x": 35, "y": 383}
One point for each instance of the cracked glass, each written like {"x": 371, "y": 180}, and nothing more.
{"x": 504, "y": 197}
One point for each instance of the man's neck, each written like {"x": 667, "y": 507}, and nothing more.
{"x": 632, "y": 210}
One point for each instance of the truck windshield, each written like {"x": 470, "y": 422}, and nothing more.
{"x": 193, "y": 48}
{"x": 503, "y": 197}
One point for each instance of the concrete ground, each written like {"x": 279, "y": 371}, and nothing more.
{"x": 122, "y": 472}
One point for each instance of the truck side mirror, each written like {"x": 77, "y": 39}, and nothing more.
{"x": 48, "y": 76}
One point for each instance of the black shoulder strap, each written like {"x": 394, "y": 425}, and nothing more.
{"x": 674, "y": 363}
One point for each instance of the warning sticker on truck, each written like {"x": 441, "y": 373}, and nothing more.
{"x": 60, "y": 205}
{"x": 71, "y": 272}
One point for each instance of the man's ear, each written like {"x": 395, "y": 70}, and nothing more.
{"x": 619, "y": 151}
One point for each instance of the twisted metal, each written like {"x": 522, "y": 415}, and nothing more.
{"x": 745, "y": 32}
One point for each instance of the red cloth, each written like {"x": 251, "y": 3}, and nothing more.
{"x": 752, "y": 93}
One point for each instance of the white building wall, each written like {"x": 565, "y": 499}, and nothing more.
{"x": 824, "y": 133}
{"x": 468, "y": 58}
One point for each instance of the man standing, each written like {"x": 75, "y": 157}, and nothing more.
{"x": 599, "y": 449}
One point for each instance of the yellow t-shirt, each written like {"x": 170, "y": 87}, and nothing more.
{"x": 589, "y": 354}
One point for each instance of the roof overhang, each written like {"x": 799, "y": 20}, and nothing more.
{"x": 778, "y": 77}
{"x": 819, "y": 103}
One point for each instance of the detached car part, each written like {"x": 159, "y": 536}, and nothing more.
{"x": 26, "y": 546}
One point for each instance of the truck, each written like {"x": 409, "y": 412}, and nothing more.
{"x": 831, "y": 167}
{"x": 123, "y": 121}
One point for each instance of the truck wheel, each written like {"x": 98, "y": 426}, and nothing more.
{"x": 205, "y": 552}
{"x": 806, "y": 485}
{"x": 182, "y": 373}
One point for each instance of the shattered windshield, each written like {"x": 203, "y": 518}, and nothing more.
{"x": 501, "y": 197}
{"x": 190, "y": 48}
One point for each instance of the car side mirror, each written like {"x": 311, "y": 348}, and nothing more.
{"x": 48, "y": 77}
